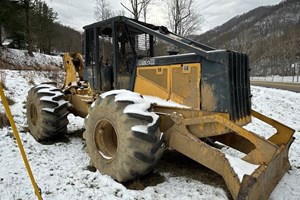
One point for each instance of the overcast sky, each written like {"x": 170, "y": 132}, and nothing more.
{"x": 78, "y": 13}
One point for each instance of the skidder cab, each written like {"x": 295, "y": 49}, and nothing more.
{"x": 131, "y": 71}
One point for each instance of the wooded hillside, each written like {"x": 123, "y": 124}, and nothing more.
{"x": 269, "y": 34}
{"x": 31, "y": 25}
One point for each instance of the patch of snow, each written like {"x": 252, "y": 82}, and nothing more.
{"x": 288, "y": 187}
{"x": 6, "y": 42}
{"x": 230, "y": 151}
{"x": 92, "y": 106}
{"x": 49, "y": 90}
{"x": 140, "y": 106}
{"x": 112, "y": 92}
{"x": 163, "y": 102}
{"x": 151, "y": 99}
{"x": 161, "y": 135}
{"x": 21, "y": 58}
{"x": 240, "y": 166}
{"x": 60, "y": 169}
{"x": 105, "y": 156}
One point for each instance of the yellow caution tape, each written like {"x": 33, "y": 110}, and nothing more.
{"x": 16, "y": 134}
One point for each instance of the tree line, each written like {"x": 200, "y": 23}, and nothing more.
{"x": 31, "y": 25}
{"x": 270, "y": 35}
{"x": 181, "y": 15}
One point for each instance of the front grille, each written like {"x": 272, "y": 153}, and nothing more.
{"x": 240, "y": 98}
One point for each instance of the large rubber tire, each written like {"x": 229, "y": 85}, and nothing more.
{"x": 114, "y": 147}
{"x": 47, "y": 112}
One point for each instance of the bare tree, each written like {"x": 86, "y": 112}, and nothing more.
{"x": 120, "y": 12}
{"x": 103, "y": 10}
{"x": 145, "y": 13}
{"x": 183, "y": 18}
{"x": 1, "y": 35}
{"x": 137, "y": 7}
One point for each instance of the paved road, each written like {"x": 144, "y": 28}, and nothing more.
{"x": 295, "y": 87}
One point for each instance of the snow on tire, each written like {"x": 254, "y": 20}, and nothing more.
{"x": 46, "y": 112}
{"x": 123, "y": 138}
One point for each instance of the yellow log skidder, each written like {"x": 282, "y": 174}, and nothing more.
{"x": 124, "y": 66}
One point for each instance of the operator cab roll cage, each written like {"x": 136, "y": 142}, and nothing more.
{"x": 122, "y": 42}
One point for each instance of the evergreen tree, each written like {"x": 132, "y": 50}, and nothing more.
{"x": 4, "y": 5}
{"x": 27, "y": 6}
{"x": 30, "y": 24}
{"x": 44, "y": 18}
{"x": 12, "y": 19}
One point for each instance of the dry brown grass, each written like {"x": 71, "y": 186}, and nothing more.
{"x": 10, "y": 100}
{"x": 6, "y": 65}
{"x": 48, "y": 68}
{"x": 3, "y": 120}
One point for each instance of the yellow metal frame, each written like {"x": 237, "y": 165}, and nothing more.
{"x": 79, "y": 97}
{"x": 185, "y": 129}
{"x": 146, "y": 86}
{"x": 80, "y": 104}
{"x": 19, "y": 142}
{"x": 72, "y": 75}
{"x": 270, "y": 154}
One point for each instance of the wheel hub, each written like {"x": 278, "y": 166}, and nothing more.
{"x": 33, "y": 114}
{"x": 106, "y": 139}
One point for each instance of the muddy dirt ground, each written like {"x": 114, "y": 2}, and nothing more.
{"x": 171, "y": 162}
{"x": 178, "y": 165}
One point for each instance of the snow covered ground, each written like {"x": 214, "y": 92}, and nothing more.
{"x": 60, "y": 169}
{"x": 17, "y": 58}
